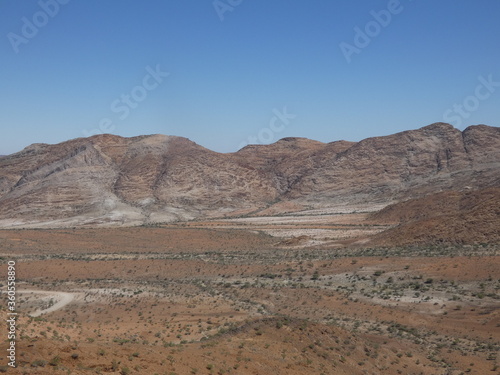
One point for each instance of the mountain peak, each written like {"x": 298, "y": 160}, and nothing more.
{"x": 438, "y": 126}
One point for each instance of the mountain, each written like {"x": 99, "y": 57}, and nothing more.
{"x": 446, "y": 217}
{"x": 111, "y": 180}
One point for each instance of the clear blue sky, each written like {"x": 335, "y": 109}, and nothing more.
{"x": 228, "y": 77}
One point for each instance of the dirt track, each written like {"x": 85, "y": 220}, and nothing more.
{"x": 63, "y": 299}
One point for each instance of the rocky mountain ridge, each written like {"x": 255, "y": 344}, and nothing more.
{"x": 111, "y": 180}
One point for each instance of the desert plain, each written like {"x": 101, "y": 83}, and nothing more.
{"x": 283, "y": 294}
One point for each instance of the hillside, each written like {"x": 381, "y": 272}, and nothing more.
{"x": 449, "y": 217}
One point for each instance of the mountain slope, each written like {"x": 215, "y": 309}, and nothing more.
{"x": 448, "y": 217}
{"x": 107, "y": 179}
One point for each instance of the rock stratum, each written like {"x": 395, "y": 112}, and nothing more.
{"x": 111, "y": 180}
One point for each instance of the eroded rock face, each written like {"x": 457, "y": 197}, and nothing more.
{"x": 107, "y": 179}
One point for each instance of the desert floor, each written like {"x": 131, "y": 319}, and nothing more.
{"x": 275, "y": 295}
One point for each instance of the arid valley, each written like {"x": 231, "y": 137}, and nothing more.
{"x": 283, "y": 283}
{"x": 249, "y": 187}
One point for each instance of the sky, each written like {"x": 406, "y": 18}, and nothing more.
{"x": 226, "y": 73}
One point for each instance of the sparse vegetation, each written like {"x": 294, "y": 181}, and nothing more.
{"x": 219, "y": 311}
